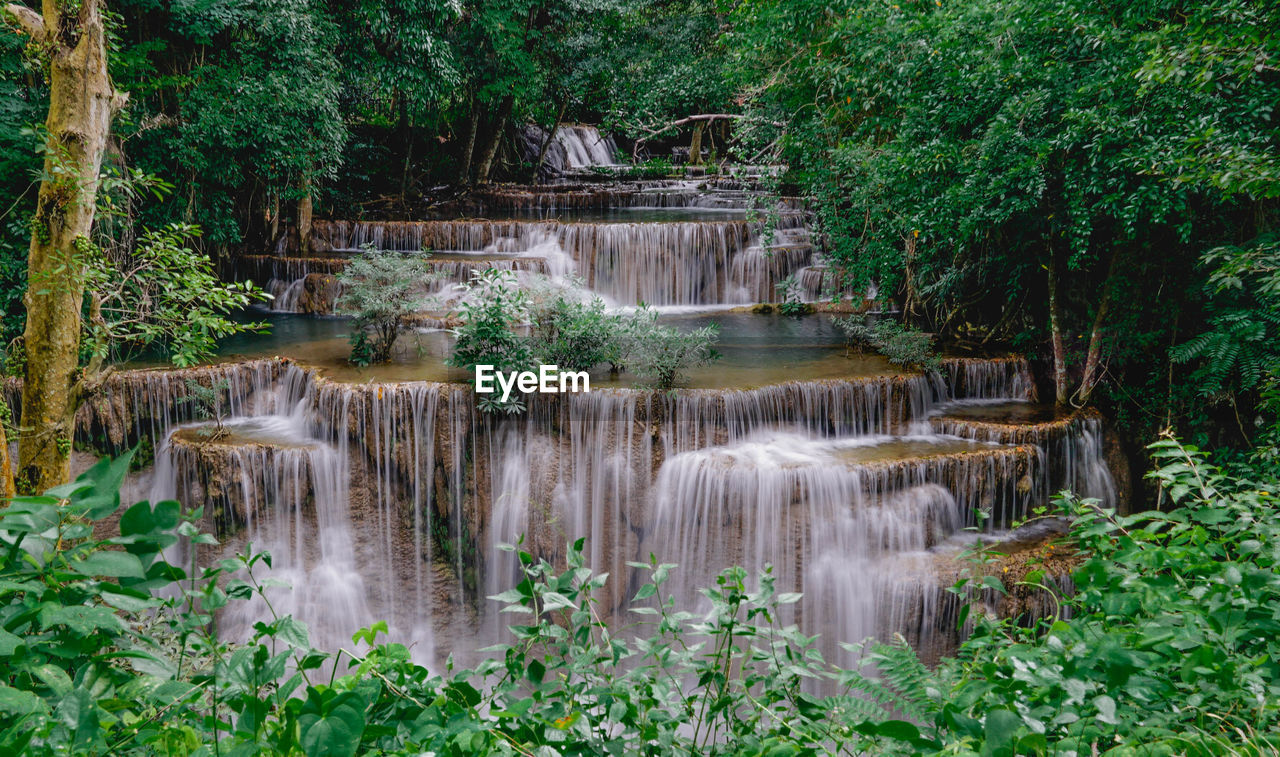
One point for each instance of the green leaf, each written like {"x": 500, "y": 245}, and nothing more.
{"x": 16, "y": 702}
{"x": 334, "y": 731}
{"x": 82, "y": 619}
{"x": 999, "y": 730}
{"x": 111, "y": 564}
{"x": 9, "y": 643}
{"x": 102, "y": 495}
{"x": 293, "y": 632}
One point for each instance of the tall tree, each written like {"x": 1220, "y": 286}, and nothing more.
{"x": 1018, "y": 170}
{"x": 70, "y": 36}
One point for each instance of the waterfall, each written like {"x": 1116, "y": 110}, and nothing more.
{"x": 390, "y": 501}
{"x": 584, "y": 146}
{"x": 829, "y": 528}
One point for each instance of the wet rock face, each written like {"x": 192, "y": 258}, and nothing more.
{"x": 319, "y": 292}
{"x": 1073, "y": 443}
{"x": 234, "y": 482}
{"x": 1041, "y": 546}
{"x": 1117, "y": 461}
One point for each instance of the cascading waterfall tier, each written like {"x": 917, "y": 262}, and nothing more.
{"x": 1071, "y": 443}
{"x": 845, "y": 521}
{"x": 818, "y": 465}
{"x": 670, "y": 263}
{"x": 714, "y": 248}
{"x": 395, "y": 497}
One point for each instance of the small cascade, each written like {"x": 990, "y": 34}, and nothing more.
{"x": 756, "y": 273}
{"x": 574, "y": 148}
{"x": 988, "y": 378}
{"x": 145, "y": 404}
{"x": 830, "y": 525}
{"x": 1072, "y": 444}
{"x": 269, "y": 485}
{"x": 585, "y": 146}
{"x": 680, "y": 263}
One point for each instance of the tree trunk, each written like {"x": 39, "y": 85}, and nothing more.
{"x": 304, "y": 218}
{"x": 1060, "y": 387}
{"x": 551, "y": 135}
{"x": 1094, "y": 356}
{"x": 491, "y": 147}
{"x": 82, "y": 102}
{"x": 405, "y": 130}
{"x": 6, "y": 468}
{"x": 695, "y": 145}
{"x": 273, "y": 217}
{"x": 469, "y": 146}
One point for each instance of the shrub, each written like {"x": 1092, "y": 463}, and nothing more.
{"x": 901, "y": 343}
{"x": 576, "y": 336}
{"x": 792, "y": 297}
{"x": 664, "y": 355}
{"x": 207, "y": 403}
{"x": 493, "y": 308}
{"x": 379, "y": 289}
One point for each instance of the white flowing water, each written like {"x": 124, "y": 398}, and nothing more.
{"x": 389, "y": 501}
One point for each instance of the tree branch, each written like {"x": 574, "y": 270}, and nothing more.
{"x": 26, "y": 19}
{"x": 692, "y": 119}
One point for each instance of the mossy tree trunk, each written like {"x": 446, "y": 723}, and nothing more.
{"x": 305, "y": 209}
{"x": 6, "y": 464}
{"x": 695, "y": 145}
{"x": 82, "y": 102}
{"x": 490, "y": 150}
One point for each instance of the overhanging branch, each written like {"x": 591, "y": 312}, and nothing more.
{"x": 691, "y": 119}
{"x": 27, "y": 20}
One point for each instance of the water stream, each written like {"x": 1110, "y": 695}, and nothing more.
{"x": 384, "y": 494}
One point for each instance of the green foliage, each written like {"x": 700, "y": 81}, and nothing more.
{"x": 379, "y": 290}
{"x": 664, "y": 355}
{"x": 492, "y": 311}
{"x": 207, "y": 401}
{"x": 161, "y": 294}
{"x": 903, "y": 344}
{"x": 792, "y": 296}
{"x": 1170, "y": 645}
{"x": 955, "y": 153}
{"x": 659, "y": 167}
{"x": 574, "y": 335}
{"x": 235, "y": 98}
{"x": 1237, "y": 355}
